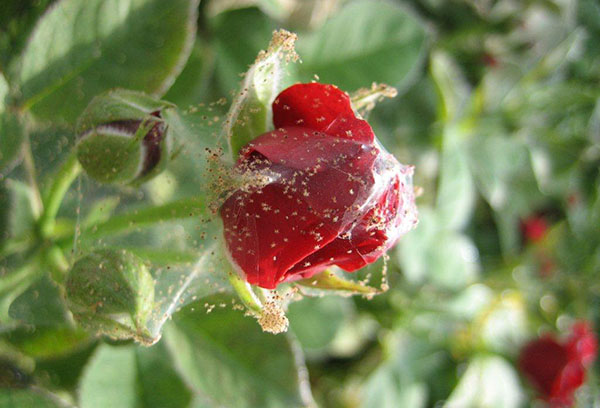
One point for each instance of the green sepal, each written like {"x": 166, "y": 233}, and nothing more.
{"x": 116, "y": 105}
{"x": 330, "y": 281}
{"x": 250, "y": 113}
{"x": 108, "y": 157}
{"x": 111, "y": 132}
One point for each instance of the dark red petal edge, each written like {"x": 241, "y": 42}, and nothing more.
{"x": 320, "y": 107}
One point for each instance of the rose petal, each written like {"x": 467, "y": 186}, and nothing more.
{"x": 301, "y": 148}
{"x": 320, "y": 107}
{"x": 270, "y": 229}
{"x": 582, "y": 343}
{"x": 569, "y": 379}
{"x": 321, "y": 181}
{"x": 364, "y": 241}
{"x": 542, "y": 361}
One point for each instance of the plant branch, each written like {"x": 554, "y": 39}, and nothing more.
{"x": 122, "y": 223}
{"x": 63, "y": 180}
{"x": 29, "y": 165}
{"x": 245, "y": 293}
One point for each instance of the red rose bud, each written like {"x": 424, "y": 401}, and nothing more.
{"x": 534, "y": 228}
{"x": 122, "y": 137}
{"x": 325, "y": 192}
{"x": 557, "y": 369}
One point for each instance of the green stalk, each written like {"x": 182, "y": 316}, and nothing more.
{"x": 29, "y": 165}
{"x": 57, "y": 263}
{"x": 66, "y": 175}
{"x": 120, "y": 223}
{"x": 245, "y": 293}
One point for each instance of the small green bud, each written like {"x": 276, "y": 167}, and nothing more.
{"x": 112, "y": 292}
{"x": 122, "y": 137}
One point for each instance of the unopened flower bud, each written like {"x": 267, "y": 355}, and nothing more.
{"x": 122, "y": 137}
{"x": 112, "y": 292}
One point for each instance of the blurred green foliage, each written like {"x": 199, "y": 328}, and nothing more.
{"x": 499, "y": 110}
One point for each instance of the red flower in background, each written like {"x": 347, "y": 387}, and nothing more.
{"x": 558, "y": 368}
{"x": 534, "y": 228}
{"x": 327, "y": 193}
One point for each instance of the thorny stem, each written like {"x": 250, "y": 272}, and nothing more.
{"x": 63, "y": 180}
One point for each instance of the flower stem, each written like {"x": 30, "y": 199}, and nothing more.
{"x": 57, "y": 263}
{"x": 120, "y": 223}
{"x": 29, "y": 165}
{"x": 245, "y": 293}
{"x": 66, "y": 175}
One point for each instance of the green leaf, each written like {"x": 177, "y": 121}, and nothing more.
{"x": 452, "y": 87}
{"x": 239, "y": 36}
{"x": 190, "y": 87}
{"x": 19, "y": 210}
{"x": 80, "y": 49}
{"x": 159, "y": 382}
{"x": 276, "y": 9}
{"x": 366, "y": 41}
{"x": 13, "y": 284}
{"x": 48, "y": 343}
{"x": 109, "y": 380}
{"x": 503, "y": 171}
{"x": 132, "y": 377}
{"x": 101, "y": 211}
{"x": 385, "y": 390}
{"x": 503, "y": 326}
{"x": 316, "y": 321}
{"x": 13, "y": 398}
{"x": 197, "y": 129}
{"x": 17, "y": 19}
{"x": 437, "y": 255}
{"x": 227, "y": 359}
{"x": 456, "y": 190}
{"x": 11, "y": 131}
{"x": 40, "y": 305}
{"x": 489, "y": 381}
{"x": 401, "y": 381}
